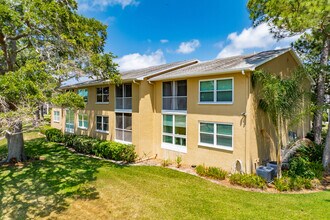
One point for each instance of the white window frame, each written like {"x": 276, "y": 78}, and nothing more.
{"x": 83, "y": 96}
{"x": 65, "y": 128}
{"x": 82, "y": 127}
{"x": 123, "y": 130}
{"x": 103, "y": 95}
{"x": 215, "y": 91}
{"x": 56, "y": 117}
{"x": 174, "y": 147}
{"x": 102, "y": 131}
{"x": 214, "y": 145}
{"x": 166, "y": 111}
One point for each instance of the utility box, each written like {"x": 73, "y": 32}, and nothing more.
{"x": 266, "y": 173}
{"x": 273, "y": 165}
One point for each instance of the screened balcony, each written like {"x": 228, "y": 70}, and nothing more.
{"x": 124, "y": 97}
{"x": 175, "y": 95}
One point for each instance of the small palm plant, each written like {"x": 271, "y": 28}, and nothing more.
{"x": 282, "y": 100}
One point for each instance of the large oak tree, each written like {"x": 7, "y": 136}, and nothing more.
{"x": 41, "y": 43}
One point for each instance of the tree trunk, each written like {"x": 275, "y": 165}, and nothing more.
{"x": 317, "y": 124}
{"x": 37, "y": 117}
{"x": 279, "y": 150}
{"x": 15, "y": 144}
{"x": 326, "y": 152}
{"x": 42, "y": 111}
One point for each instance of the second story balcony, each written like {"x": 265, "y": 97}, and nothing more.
{"x": 175, "y": 95}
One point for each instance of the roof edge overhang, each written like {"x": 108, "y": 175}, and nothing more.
{"x": 168, "y": 70}
{"x": 211, "y": 73}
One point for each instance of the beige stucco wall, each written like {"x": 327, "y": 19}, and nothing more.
{"x": 221, "y": 113}
{"x": 253, "y": 134}
{"x": 261, "y": 132}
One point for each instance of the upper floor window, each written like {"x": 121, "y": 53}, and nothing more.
{"x": 102, "y": 95}
{"x": 124, "y": 97}
{"x": 175, "y": 95}
{"x": 216, "y": 91}
{"x": 83, "y": 93}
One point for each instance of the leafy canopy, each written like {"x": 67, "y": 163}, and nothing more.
{"x": 43, "y": 42}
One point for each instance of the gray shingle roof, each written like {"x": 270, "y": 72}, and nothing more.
{"x": 224, "y": 65}
{"x": 138, "y": 74}
{"x": 187, "y": 69}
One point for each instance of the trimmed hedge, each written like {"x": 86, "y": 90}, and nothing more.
{"x": 54, "y": 135}
{"x": 88, "y": 145}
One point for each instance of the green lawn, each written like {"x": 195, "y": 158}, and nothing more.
{"x": 68, "y": 186}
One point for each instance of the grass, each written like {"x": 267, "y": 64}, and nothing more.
{"x": 68, "y": 186}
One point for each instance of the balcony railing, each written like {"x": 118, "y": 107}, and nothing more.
{"x": 178, "y": 103}
{"x": 124, "y": 103}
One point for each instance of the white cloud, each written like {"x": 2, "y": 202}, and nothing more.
{"x": 164, "y": 41}
{"x": 137, "y": 60}
{"x": 188, "y": 47}
{"x": 95, "y": 5}
{"x": 253, "y": 38}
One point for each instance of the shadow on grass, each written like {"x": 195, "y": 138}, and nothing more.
{"x": 41, "y": 187}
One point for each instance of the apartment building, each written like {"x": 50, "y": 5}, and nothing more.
{"x": 205, "y": 112}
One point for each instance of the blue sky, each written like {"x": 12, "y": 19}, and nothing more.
{"x": 151, "y": 32}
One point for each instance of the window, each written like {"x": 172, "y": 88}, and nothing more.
{"x": 83, "y": 93}
{"x": 102, "y": 123}
{"x": 124, "y": 127}
{"x": 216, "y": 91}
{"x": 216, "y": 135}
{"x": 102, "y": 95}
{"x": 56, "y": 116}
{"x": 174, "y": 132}
{"x": 175, "y": 95}
{"x": 124, "y": 97}
{"x": 69, "y": 121}
{"x": 83, "y": 121}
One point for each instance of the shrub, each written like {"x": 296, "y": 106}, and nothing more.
{"x": 201, "y": 170}
{"x": 178, "y": 161}
{"x": 84, "y": 144}
{"x": 166, "y": 163}
{"x": 216, "y": 173}
{"x": 311, "y": 153}
{"x": 128, "y": 153}
{"x": 248, "y": 180}
{"x": 44, "y": 128}
{"x": 282, "y": 184}
{"x": 68, "y": 139}
{"x": 294, "y": 183}
{"x": 300, "y": 166}
{"x": 213, "y": 172}
{"x": 102, "y": 149}
{"x": 54, "y": 135}
{"x": 88, "y": 145}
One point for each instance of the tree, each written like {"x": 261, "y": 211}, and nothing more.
{"x": 311, "y": 20}
{"x": 282, "y": 100}
{"x": 43, "y": 42}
